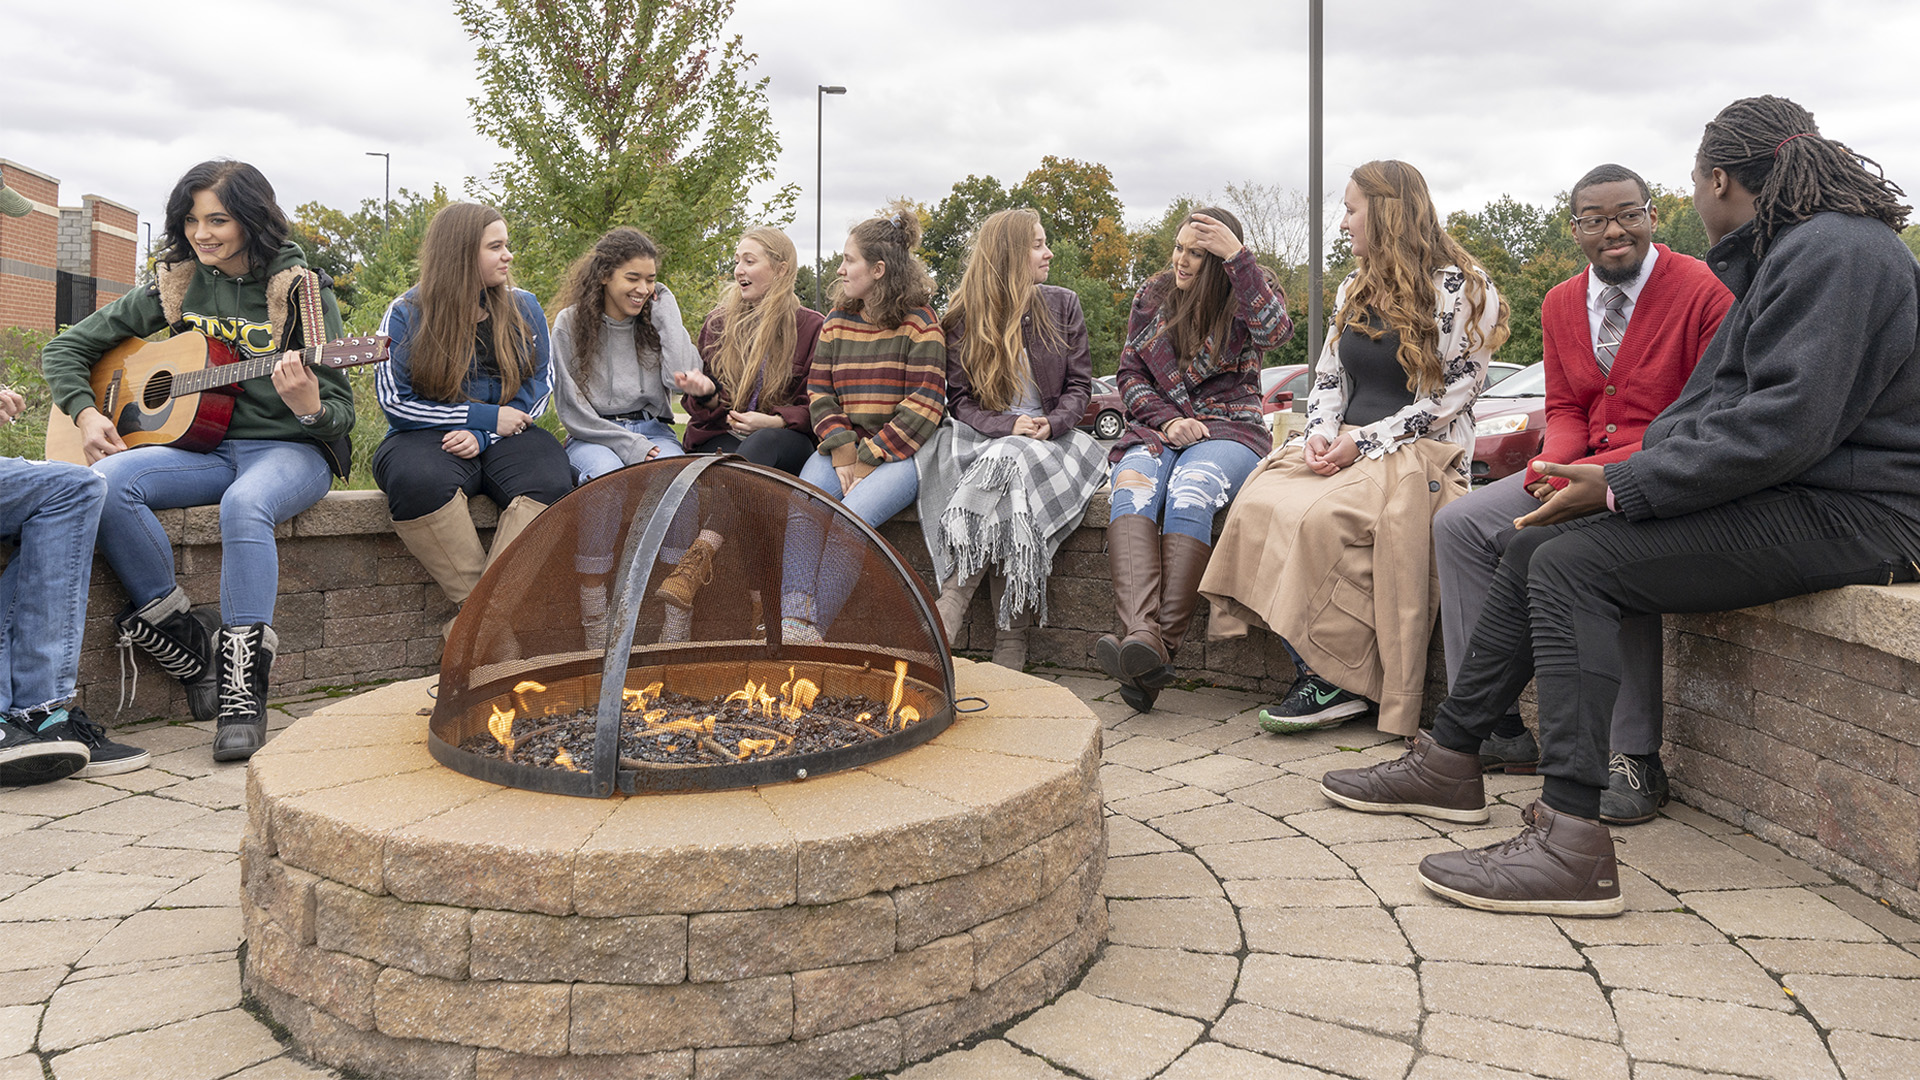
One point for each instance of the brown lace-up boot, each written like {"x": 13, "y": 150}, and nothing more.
{"x": 1558, "y": 865}
{"x": 1429, "y": 780}
{"x": 695, "y": 570}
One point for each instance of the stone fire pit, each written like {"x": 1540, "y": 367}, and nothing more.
{"x": 404, "y": 920}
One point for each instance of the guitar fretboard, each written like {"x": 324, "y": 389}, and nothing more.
{"x": 347, "y": 352}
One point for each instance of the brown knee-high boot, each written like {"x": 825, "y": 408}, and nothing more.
{"x": 1133, "y": 558}
{"x": 1183, "y": 561}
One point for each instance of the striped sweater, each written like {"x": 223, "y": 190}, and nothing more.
{"x": 875, "y": 395}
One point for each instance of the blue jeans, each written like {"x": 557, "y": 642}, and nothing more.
{"x": 258, "y": 483}
{"x": 1182, "y": 489}
{"x": 592, "y": 459}
{"x": 52, "y": 510}
{"x": 822, "y": 565}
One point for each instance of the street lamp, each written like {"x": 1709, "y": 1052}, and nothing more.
{"x": 386, "y": 213}
{"x": 819, "y": 119}
{"x": 1316, "y": 199}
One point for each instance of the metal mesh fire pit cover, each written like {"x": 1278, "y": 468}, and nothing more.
{"x": 567, "y": 620}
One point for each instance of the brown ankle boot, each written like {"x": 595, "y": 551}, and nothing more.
{"x": 1133, "y": 557}
{"x": 1429, "y": 780}
{"x": 1558, "y": 865}
{"x": 695, "y": 570}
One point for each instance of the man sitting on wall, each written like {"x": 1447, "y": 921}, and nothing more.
{"x": 1621, "y": 338}
{"x": 1790, "y": 463}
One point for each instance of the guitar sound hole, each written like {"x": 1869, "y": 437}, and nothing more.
{"x": 158, "y": 387}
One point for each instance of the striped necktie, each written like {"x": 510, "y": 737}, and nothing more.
{"x": 1613, "y": 327}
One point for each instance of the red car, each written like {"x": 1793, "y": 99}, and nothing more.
{"x": 1510, "y": 424}
{"x": 1106, "y": 414}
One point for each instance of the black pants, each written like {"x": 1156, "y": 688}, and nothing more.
{"x": 777, "y": 448}
{"x": 1555, "y": 606}
{"x": 420, "y": 478}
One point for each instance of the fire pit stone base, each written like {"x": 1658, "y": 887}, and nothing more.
{"x": 403, "y": 920}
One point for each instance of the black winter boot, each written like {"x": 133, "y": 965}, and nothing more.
{"x": 180, "y": 640}
{"x": 245, "y": 658}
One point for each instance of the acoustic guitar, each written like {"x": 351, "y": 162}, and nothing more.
{"x": 180, "y": 391}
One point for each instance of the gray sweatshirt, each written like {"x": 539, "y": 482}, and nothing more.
{"x": 620, "y": 385}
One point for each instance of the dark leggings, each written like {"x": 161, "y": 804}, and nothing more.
{"x": 777, "y": 448}
{"x": 1554, "y": 610}
{"x": 419, "y": 477}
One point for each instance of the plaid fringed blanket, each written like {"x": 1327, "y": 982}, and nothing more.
{"x": 1006, "y": 502}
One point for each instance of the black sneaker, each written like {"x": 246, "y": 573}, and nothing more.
{"x": 1510, "y": 753}
{"x": 1313, "y": 703}
{"x": 28, "y": 757}
{"x": 108, "y": 758}
{"x": 1636, "y": 790}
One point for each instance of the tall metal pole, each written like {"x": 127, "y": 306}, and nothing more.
{"x": 819, "y": 122}
{"x": 386, "y": 211}
{"x": 1316, "y": 196}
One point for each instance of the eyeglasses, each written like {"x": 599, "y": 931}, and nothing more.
{"x": 1594, "y": 224}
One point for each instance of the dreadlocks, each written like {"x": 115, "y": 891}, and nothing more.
{"x": 1775, "y": 150}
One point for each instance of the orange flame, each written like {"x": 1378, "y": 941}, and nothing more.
{"x": 501, "y": 725}
{"x": 637, "y": 700}
{"x": 565, "y": 760}
{"x": 899, "y": 691}
{"x": 750, "y": 747}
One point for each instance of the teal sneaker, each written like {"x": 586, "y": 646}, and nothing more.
{"x": 1312, "y": 704}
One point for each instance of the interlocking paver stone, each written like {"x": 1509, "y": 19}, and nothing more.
{"x": 1859, "y": 1003}
{"x": 1871, "y": 912}
{"x": 1483, "y": 937}
{"x": 1569, "y": 1002}
{"x": 1299, "y": 892}
{"x": 1311, "y": 1042}
{"x": 1287, "y": 857}
{"x": 1377, "y": 997}
{"x": 1642, "y": 894}
{"x": 1187, "y": 983}
{"x": 1366, "y": 934}
{"x": 1716, "y": 972}
{"x": 1227, "y": 823}
{"x": 1220, "y": 772}
{"x": 1124, "y": 782}
{"x": 1077, "y": 1031}
{"x": 17, "y": 1025}
{"x": 1199, "y": 925}
{"x": 24, "y": 946}
{"x": 43, "y": 852}
{"x": 1393, "y": 852}
{"x": 1339, "y": 825}
{"x": 1397, "y": 887}
{"x": 198, "y": 1049}
{"x": 1833, "y": 958}
{"x": 24, "y": 1067}
{"x": 1126, "y": 836}
{"x": 78, "y": 894}
{"x": 1715, "y": 1035}
{"x": 1684, "y": 859}
{"x": 1643, "y": 928}
{"x": 1213, "y": 1061}
{"x": 1529, "y": 1051}
{"x": 1172, "y": 874}
{"x": 1147, "y": 753}
{"x": 1778, "y": 913}
{"x": 30, "y": 987}
{"x": 210, "y": 831}
{"x": 1282, "y": 796}
{"x": 1872, "y": 1057}
{"x": 96, "y": 1009}
{"x": 1159, "y": 804}
{"x": 997, "y": 1059}
{"x": 157, "y": 934}
{"x": 137, "y": 815}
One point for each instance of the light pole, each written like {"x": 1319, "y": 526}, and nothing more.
{"x": 1316, "y": 198}
{"x": 819, "y": 142}
{"x": 386, "y": 212}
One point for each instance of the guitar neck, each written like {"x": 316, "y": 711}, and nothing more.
{"x": 338, "y": 354}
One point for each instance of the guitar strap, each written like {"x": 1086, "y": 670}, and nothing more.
{"x": 313, "y": 334}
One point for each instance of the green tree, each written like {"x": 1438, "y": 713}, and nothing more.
{"x": 370, "y": 263}
{"x": 950, "y": 228}
{"x": 623, "y": 112}
{"x": 1911, "y": 236}
{"x": 1680, "y": 227}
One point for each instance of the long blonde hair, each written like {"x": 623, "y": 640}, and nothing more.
{"x": 996, "y": 292}
{"x": 448, "y": 295}
{"x": 1405, "y": 245}
{"x": 757, "y": 339}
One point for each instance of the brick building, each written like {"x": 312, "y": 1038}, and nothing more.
{"x": 59, "y": 264}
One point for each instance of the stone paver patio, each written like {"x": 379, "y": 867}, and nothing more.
{"x": 1257, "y": 932}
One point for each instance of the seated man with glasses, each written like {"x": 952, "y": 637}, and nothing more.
{"x": 1621, "y": 337}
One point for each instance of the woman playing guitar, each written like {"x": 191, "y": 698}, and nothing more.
{"x": 226, "y": 269}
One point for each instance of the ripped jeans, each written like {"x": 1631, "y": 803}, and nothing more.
{"x": 1182, "y": 489}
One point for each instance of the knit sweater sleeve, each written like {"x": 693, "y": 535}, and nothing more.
{"x": 677, "y": 354}
{"x": 577, "y": 413}
{"x": 1829, "y": 322}
{"x": 831, "y": 424}
{"x": 1146, "y": 403}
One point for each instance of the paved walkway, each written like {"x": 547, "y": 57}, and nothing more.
{"x": 1257, "y": 933}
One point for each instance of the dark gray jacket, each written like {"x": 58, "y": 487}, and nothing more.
{"x": 1812, "y": 378}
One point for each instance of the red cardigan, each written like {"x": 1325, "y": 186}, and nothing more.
{"x": 1594, "y": 418}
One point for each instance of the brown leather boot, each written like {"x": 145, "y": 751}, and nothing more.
{"x": 1133, "y": 557}
{"x": 695, "y": 569}
{"x": 1558, "y": 865}
{"x": 1429, "y": 780}
{"x": 1183, "y": 561}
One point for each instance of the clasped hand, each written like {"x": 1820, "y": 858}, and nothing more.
{"x": 1328, "y": 458}
{"x": 1183, "y": 432}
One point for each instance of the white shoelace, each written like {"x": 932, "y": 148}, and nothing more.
{"x": 235, "y": 697}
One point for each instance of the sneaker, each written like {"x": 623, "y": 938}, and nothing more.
{"x": 1558, "y": 865}
{"x": 1636, "y": 790}
{"x": 106, "y": 757}
{"x": 1510, "y": 753}
{"x": 1312, "y": 704}
{"x": 29, "y": 757}
{"x": 1429, "y": 780}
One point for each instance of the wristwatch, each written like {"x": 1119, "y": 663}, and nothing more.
{"x": 312, "y": 418}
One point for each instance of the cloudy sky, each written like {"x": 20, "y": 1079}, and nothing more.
{"x": 1485, "y": 96}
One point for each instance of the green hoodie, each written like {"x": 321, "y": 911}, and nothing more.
{"x": 231, "y": 309}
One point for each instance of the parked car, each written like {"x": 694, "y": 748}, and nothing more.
{"x": 1498, "y": 370}
{"x": 1106, "y": 414}
{"x": 1510, "y": 424}
{"x": 1291, "y": 378}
